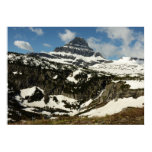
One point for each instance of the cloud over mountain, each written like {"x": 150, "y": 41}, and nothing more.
{"x": 67, "y": 36}
{"x": 130, "y": 43}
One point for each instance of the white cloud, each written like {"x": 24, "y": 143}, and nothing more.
{"x": 137, "y": 50}
{"x": 132, "y": 42}
{"x": 106, "y": 49}
{"x": 123, "y": 33}
{"x": 67, "y": 36}
{"x": 38, "y": 31}
{"x": 46, "y": 45}
{"x": 23, "y": 45}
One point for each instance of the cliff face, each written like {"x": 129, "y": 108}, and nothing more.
{"x": 38, "y": 87}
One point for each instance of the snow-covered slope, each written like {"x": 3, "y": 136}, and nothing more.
{"x": 121, "y": 67}
{"x": 74, "y": 58}
{"x": 72, "y": 80}
{"x": 113, "y": 107}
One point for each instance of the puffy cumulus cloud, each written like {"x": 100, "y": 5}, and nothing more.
{"x": 67, "y": 36}
{"x": 38, "y": 31}
{"x": 106, "y": 49}
{"x": 122, "y": 33}
{"x": 23, "y": 45}
{"x": 137, "y": 50}
{"x": 132, "y": 42}
{"x": 46, "y": 45}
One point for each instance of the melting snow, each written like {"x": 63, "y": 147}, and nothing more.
{"x": 113, "y": 106}
{"x": 51, "y": 104}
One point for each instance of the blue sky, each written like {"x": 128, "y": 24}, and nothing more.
{"x": 111, "y": 42}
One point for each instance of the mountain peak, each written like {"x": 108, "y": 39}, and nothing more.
{"x": 78, "y": 46}
{"x": 78, "y": 41}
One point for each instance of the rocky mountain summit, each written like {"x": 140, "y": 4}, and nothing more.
{"x": 78, "y": 46}
{"x": 75, "y": 52}
{"x": 73, "y": 80}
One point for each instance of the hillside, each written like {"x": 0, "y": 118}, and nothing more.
{"x": 72, "y": 81}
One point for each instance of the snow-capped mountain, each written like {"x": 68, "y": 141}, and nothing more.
{"x": 72, "y": 80}
{"x": 78, "y": 46}
{"x": 75, "y": 52}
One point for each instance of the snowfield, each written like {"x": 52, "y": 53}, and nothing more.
{"x": 120, "y": 67}
{"x": 113, "y": 107}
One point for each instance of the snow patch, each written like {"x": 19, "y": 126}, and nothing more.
{"x": 28, "y": 91}
{"x": 113, "y": 107}
{"x": 46, "y": 113}
{"x": 134, "y": 84}
{"x": 71, "y": 78}
{"x": 55, "y": 77}
{"x": 86, "y": 103}
{"x": 16, "y": 72}
{"x": 29, "y": 109}
{"x": 89, "y": 76}
{"x": 59, "y": 104}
